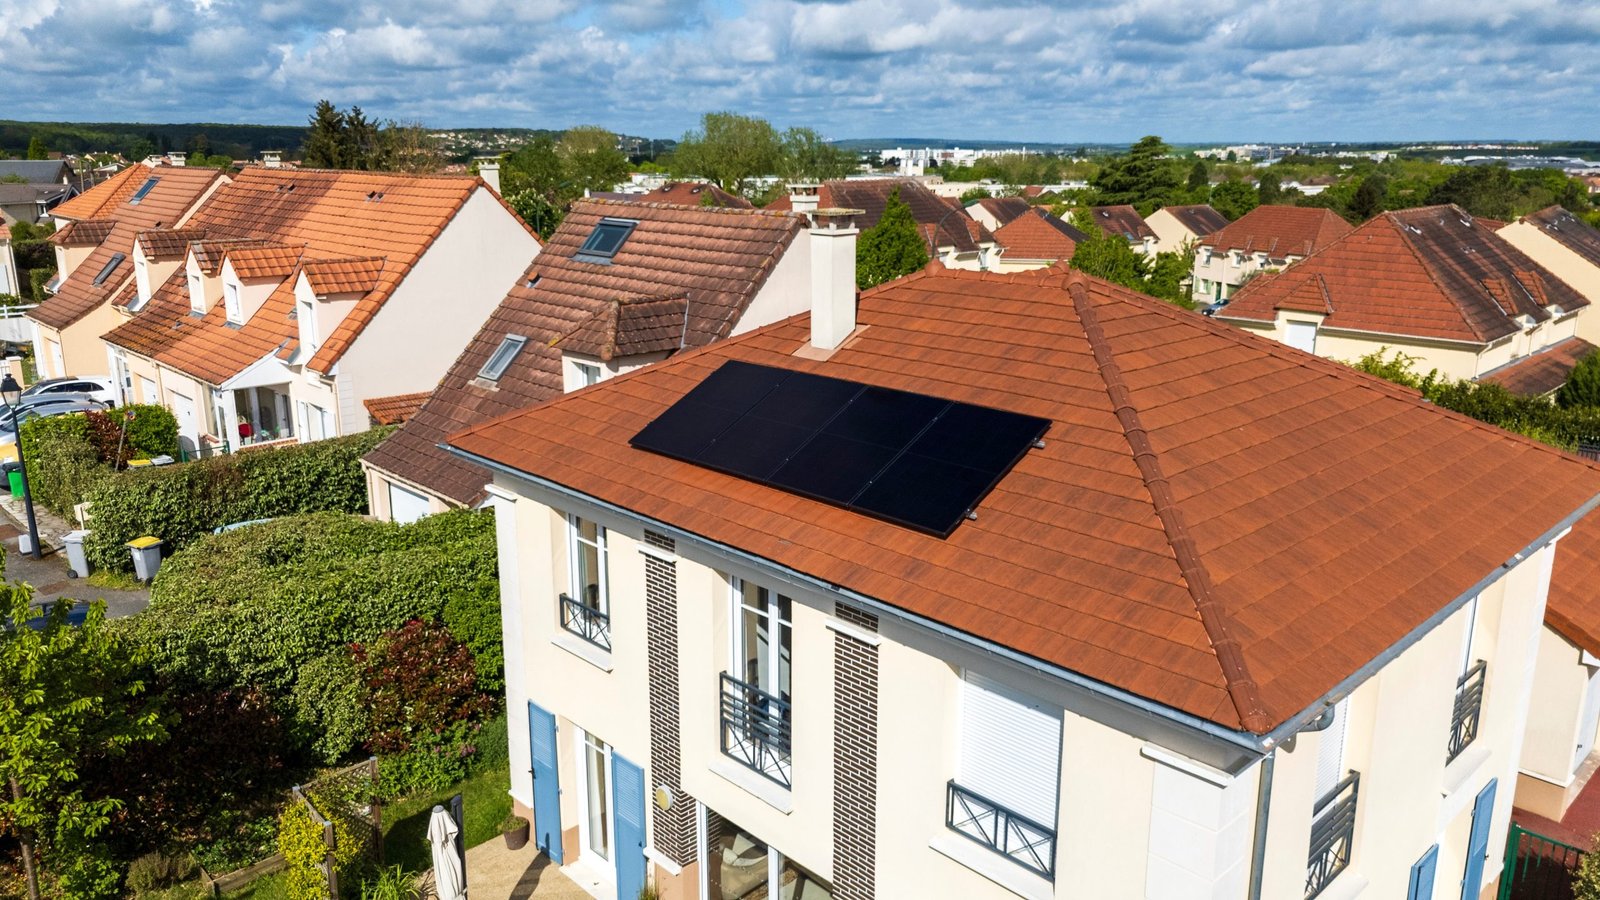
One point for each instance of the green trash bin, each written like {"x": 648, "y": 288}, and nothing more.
{"x": 14, "y": 477}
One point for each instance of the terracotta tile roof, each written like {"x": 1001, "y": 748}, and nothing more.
{"x": 1038, "y": 235}
{"x": 1033, "y": 190}
{"x": 784, "y": 203}
{"x": 1122, "y": 220}
{"x": 396, "y": 409}
{"x": 956, "y": 229}
{"x": 1540, "y": 373}
{"x": 266, "y": 260}
{"x": 1573, "y": 608}
{"x": 343, "y": 276}
{"x": 1004, "y": 209}
{"x": 627, "y": 326}
{"x": 692, "y": 193}
{"x": 716, "y": 258}
{"x": 1170, "y": 537}
{"x": 169, "y": 243}
{"x": 130, "y": 290}
{"x": 321, "y": 214}
{"x": 1199, "y": 218}
{"x": 1429, "y": 273}
{"x": 105, "y": 196}
{"x": 174, "y": 195}
{"x": 1279, "y": 231}
{"x": 85, "y": 232}
{"x": 1569, "y": 231}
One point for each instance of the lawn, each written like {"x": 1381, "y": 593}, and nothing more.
{"x": 405, "y": 822}
{"x": 270, "y": 887}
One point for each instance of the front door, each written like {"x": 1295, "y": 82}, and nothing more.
{"x": 546, "y": 786}
{"x": 627, "y": 791}
{"x": 1478, "y": 842}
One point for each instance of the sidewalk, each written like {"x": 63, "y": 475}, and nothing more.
{"x": 49, "y": 575}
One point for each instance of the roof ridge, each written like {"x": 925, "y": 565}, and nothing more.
{"x": 1242, "y": 687}
{"x": 715, "y": 210}
{"x": 1398, "y": 224}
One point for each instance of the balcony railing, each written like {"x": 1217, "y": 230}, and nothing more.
{"x": 586, "y": 622}
{"x": 1333, "y": 829}
{"x": 756, "y": 729}
{"x": 1012, "y": 835}
{"x": 1468, "y": 710}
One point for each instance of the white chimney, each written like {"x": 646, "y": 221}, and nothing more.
{"x": 804, "y": 197}
{"x": 176, "y": 158}
{"x": 833, "y": 276}
{"x": 272, "y": 159}
{"x": 489, "y": 171}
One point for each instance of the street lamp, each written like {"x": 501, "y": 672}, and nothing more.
{"x": 11, "y": 393}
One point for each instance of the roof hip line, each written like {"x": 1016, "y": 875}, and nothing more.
{"x": 1242, "y": 688}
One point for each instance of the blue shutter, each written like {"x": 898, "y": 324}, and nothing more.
{"x": 627, "y": 798}
{"x": 1478, "y": 842}
{"x": 1422, "y": 875}
{"x": 546, "y": 783}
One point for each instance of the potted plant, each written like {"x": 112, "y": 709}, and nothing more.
{"x": 515, "y": 828}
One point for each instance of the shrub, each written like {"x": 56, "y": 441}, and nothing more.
{"x": 154, "y": 871}
{"x": 300, "y": 842}
{"x": 420, "y": 688}
{"x": 473, "y": 616}
{"x": 1586, "y": 880}
{"x": 423, "y": 770}
{"x": 239, "y": 843}
{"x": 182, "y": 503}
{"x": 328, "y": 706}
{"x": 63, "y": 468}
{"x": 1583, "y": 385}
{"x": 391, "y": 883}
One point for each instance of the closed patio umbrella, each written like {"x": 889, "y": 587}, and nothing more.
{"x": 448, "y": 878}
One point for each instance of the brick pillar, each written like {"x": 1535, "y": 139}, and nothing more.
{"x": 855, "y": 759}
{"x": 673, "y": 830}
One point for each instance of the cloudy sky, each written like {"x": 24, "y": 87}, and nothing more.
{"x": 1067, "y": 71}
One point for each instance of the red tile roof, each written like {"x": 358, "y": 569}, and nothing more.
{"x": 1569, "y": 231}
{"x": 718, "y": 259}
{"x": 343, "y": 276}
{"x": 396, "y": 409}
{"x": 1573, "y": 608}
{"x": 1004, "y": 209}
{"x": 1123, "y": 221}
{"x": 1038, "y": 235}
{"x": 1169, "y": 538}
{"x": 169, "y": 243}
{"x": 692, "y": 193}
{"x": 956, "y": 229}
{"x": 1279, "y": 231}
{"x": 85, "y": 232}
{"x": 1199, "y": 218}
{"x": 1540, "y": 373}
{"x": 105, "y": 196}
{"x": 266, "y": 260}
{"x": 178, "y": 189}
{"x": 1427, "y": 273}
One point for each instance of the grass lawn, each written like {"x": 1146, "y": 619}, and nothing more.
{"x": 270, "y": 887}
{"x": 405, "y": 822}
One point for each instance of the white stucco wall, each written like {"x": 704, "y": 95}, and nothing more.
{"x": 1564, "y": 264}
{"x": 1171, "y": 234}
{"x": 786, "y": 292}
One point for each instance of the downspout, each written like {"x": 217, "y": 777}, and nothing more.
{"x": 1258, "y": 853}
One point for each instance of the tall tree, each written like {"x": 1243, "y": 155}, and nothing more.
{"x": 729, "y": 149}
{"x": 1269, "y": 188}
{"x": 408, "y": 147}
{"x": 807, "y": 157}
{"x": 324, "y": 146}
{"x": 1369, "y": 197}
{"x": 1583, "y": 385}
{"x": 891, "y": 248}
{"x": 1199, "y": 176}
{"x": 359, "y": 146}
{"x": 1107, "y": 256}
{"x": 590, "y": 159}
{"x": 66, "y": 694}
{"x": 1145, "y": 177}
{"x": 1480, "y": 190}
{"x": 1233, "y": 198}
{"x": 37, "y": 149}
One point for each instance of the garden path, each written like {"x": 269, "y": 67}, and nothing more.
{"x": 495, "y": 873}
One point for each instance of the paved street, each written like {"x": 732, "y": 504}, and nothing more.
{"x": 49, "y": 576}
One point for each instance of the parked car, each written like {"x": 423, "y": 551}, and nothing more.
{"x": 40, "y": 403}
{"x": 8, "y": 429}
{"x": 96, "y": 387}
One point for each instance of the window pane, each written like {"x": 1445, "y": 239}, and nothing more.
{"x": 795, "y": 883}
{"x": 587, "y": 575}
{"x": 596, "y": 775}
{"x": 752, "y": 651}
{"x": 737, "y": 867}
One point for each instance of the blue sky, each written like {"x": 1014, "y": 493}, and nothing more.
{"x": 1067, "y": 71}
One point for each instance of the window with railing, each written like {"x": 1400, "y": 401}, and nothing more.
{"x": 1007, "y": 832}
{"x": 1468, "y": 711}
{"x": 1333, "y": 829}
{"x": 757, "y": 729}
{"x": 586, "y": 622}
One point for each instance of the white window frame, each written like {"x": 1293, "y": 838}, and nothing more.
{"x": 233, "y": 306}
{"x": 197, "y": 293}
{"x": 1334, "y": 737}
{"x": 308, "y": 325}
{"x": 1290, "y": 324}
{"x": 394, "y": 488}
{"x": 575, "y": 538}
{"x": 771, "y": 680}
{"x": 589, "y": 374}
{"x": 608, "y": 869}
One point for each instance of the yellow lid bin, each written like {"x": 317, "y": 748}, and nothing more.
{"x": 146, "y": 556}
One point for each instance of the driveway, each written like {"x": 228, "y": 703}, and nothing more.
{"x": 50, "y": 581}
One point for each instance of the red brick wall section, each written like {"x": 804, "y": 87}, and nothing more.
{"x": 672, "y": 830}
{"x": 855, "y": 759}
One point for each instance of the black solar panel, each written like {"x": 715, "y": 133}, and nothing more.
{"x": 906, "y": 458}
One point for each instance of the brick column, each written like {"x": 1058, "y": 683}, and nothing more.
{"x": 672, "y": 833}
{"x": 855, "y": 759}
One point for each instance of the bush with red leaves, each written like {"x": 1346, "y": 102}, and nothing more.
{"x": 421, "y": 688}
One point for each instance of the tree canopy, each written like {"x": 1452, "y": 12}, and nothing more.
{"x": 890, "y": 249}
{"x": 733, "y": 150}
{"x": 339, "y": 139}
{"x": 1146, "y": 177}
{"x": 1233, "y": 199}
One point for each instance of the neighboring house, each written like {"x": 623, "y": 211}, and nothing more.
{"x": 95, "y": 239}
{"x": 1036, "y": 240}
{"x": 31, "y": 203}
{"x": 995, "y": 213}
{"x": 1558, "y": 753}
{"x": 1180, "y": 227}
{"x": 1107, "y": 601}
{"x": 293, "y": 296}
{"x": 1561, "y": 242}
{"x": 396, "y": 410}
{"x": 618, "y": 286}
{"x": 691, "y": 193}
{"x": 1125, "y": 222}
{"x": 951, "y": 236}
{"x": 1434, "y": 284}
{"x": 1267, "y": 237}
{"x": 36, "y": 171}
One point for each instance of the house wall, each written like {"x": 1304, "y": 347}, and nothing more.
{"x": 81, "y": 348}
{"x": 435, "y": 312}
{"x": 1140, "y": 814}
{"x": 1546, "y": 783}
{"x": 1564, "y": 264}
{"x": 1222, "y": 268}
{"x": 1171, "y": 234}
{"x": 787, "y": 290}
{"x": 378, "y": 482}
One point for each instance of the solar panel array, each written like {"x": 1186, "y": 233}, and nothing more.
{"x": 918, "y": 461}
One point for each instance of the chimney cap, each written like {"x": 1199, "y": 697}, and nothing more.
{"x": 805, "y": 187}
{"x": 481, "y": 160}
{"x": 834, "y": 217}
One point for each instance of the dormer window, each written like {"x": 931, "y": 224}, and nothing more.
{"x": 308, "y": 324}
{"x": 605, "y": 240}
{"x": 230, "y": 299}
{"x": 501, "y": 359}
{"x": 144, "y": 189}
{"x": 196, "y": 292}
{"x": 110, "y": 266}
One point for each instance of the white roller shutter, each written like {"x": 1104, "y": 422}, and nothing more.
{"x": 1301, "y": 336}
{"x": 1330, "y": 751}
{"x": 1010, "y": 749}
{"x": 406, "y": 506}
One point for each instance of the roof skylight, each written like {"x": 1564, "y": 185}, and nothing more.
{"x": 605, "y": 240}
{"x": 147, "y": 187}
{"x": 501, "y": 359}
{"x": 110, "y": 266}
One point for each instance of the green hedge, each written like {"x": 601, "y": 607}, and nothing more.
{"x": 181, "y": 503}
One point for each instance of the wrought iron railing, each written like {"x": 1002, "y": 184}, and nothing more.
{"x": 1468, "y": 710}
{"x": 756, "y": 729}
{"x": 586, "y": 622}
{"x": 1012, "y": 835}
{"x": 1333, "y": 829}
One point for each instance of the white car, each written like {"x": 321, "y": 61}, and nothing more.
{"x": 94, "y": 387}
